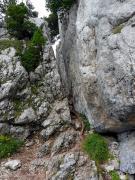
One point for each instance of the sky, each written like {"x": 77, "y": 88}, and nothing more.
{"x": 40, "y": 7}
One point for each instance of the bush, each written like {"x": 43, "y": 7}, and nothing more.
{"x": 55, "y": 5}
{"x": 17, "y": 23}
{"x": 8, "y": 146}
{"x": 96, "y": 147}
{"x": 114, "y": 175}
{"x": 30, "y": 58}
{"x": 52, "y": 21}
{"x": 38, "y": 38}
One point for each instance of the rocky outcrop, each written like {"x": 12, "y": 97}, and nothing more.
{"x": 27, "y": 99}
{"x": 96, "y": 62}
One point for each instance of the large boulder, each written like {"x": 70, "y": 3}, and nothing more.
{"x": 96, "y": 62}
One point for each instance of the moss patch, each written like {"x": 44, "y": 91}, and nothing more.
{"x": 117, "y": 29}
{"x": 96, "y": 147}
{"x": 18, "y": 45}
{"x": 8, "y": 146}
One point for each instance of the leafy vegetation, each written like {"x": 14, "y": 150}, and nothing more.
{"x": 4, "y": 44}
{"x": 33, "y": 53}
{"x": 17, "y": 23}
{"x": 114, "y": 175}
{"x": 30, "y": 58}
{"x": 96, "y": 147}
{"x": 38, "y": 39}
{"x": 54, "y": 6}
{"x": 85, "y": 122}
{"x": 52, "y": 21}
{"x": 8, "y": 146}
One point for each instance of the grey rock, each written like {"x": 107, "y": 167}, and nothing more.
{"x": 27, "y": 116}
{"x": 4, "y": 128}
{"x": 127, "y": 152}
{"x": 96, "y": 62}
{"x": 20, "y": 132}
{"x": 44, "y": 150}
{"x": 64, "y": 141}
{"x": 13, "y": 164}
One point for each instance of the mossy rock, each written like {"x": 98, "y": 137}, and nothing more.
{"x": 18, "y": 45}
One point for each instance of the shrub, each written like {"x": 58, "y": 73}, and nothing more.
{"x": 30, "y": 58}
{"x": 8, "y": 146}
{"x": 55, "y": 5}
{"x": 114, "y": 175}
{"x": 52, "y": 21}
{"x": 38, "y": 38}
{"x": 85, "y": 122}
{"x": 96, "y": 147}
{"x": 17, "y": 23}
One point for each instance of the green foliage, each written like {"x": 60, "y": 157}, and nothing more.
{"x": 52, "y": 21}
{"x": 55, "y": 5}
{"x": 17, "y": 23}
{"x": 8, "y": 146}
{"x": 96, "y": 147}
{"x": 85, "y": 122}
{"x": 38, "y": 38}
{"x": 117, "y": 29}
{"x": 30, "y": 58}
{"x": 4, "y": 44}
{"x": 114, "y": 175}
{"x": 32, "y": 55}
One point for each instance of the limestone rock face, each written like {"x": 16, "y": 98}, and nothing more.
{"x": 96, "y": 60}
{"x": 26, "y": 100}
{"x": 127, "y": 152}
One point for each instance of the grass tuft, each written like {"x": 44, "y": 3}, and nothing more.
{"x": 4, "y": 44}
{"x": 8, "y": 146}
{"x": 114, "y": 175}
{"x": 96, "y": 147}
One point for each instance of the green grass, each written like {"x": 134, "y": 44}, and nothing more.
{"x": 85, "y": 122}
{"x": 18, "y": 107}
{"x": 8, "y": 146}
{"x": 117, "y": 29}
{"x": 96, "y": 147}
{"x": 114, "y": 175}
{"x": 4, "y": 44}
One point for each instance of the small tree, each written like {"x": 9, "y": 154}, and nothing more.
{"x": 38, "y": 38}
{"x": 17, "y": 23}
{"x": 52, "y": 21}
{"x": 30, "y": 58}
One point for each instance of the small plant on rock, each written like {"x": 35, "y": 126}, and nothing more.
{"x": 8, "y": 146}
{"x": 114, "y": 175}
{"x": 85, "y": 122}
{"x": 96, "y": 147}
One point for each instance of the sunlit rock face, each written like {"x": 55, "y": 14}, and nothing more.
{"x": 96, "y": 61}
